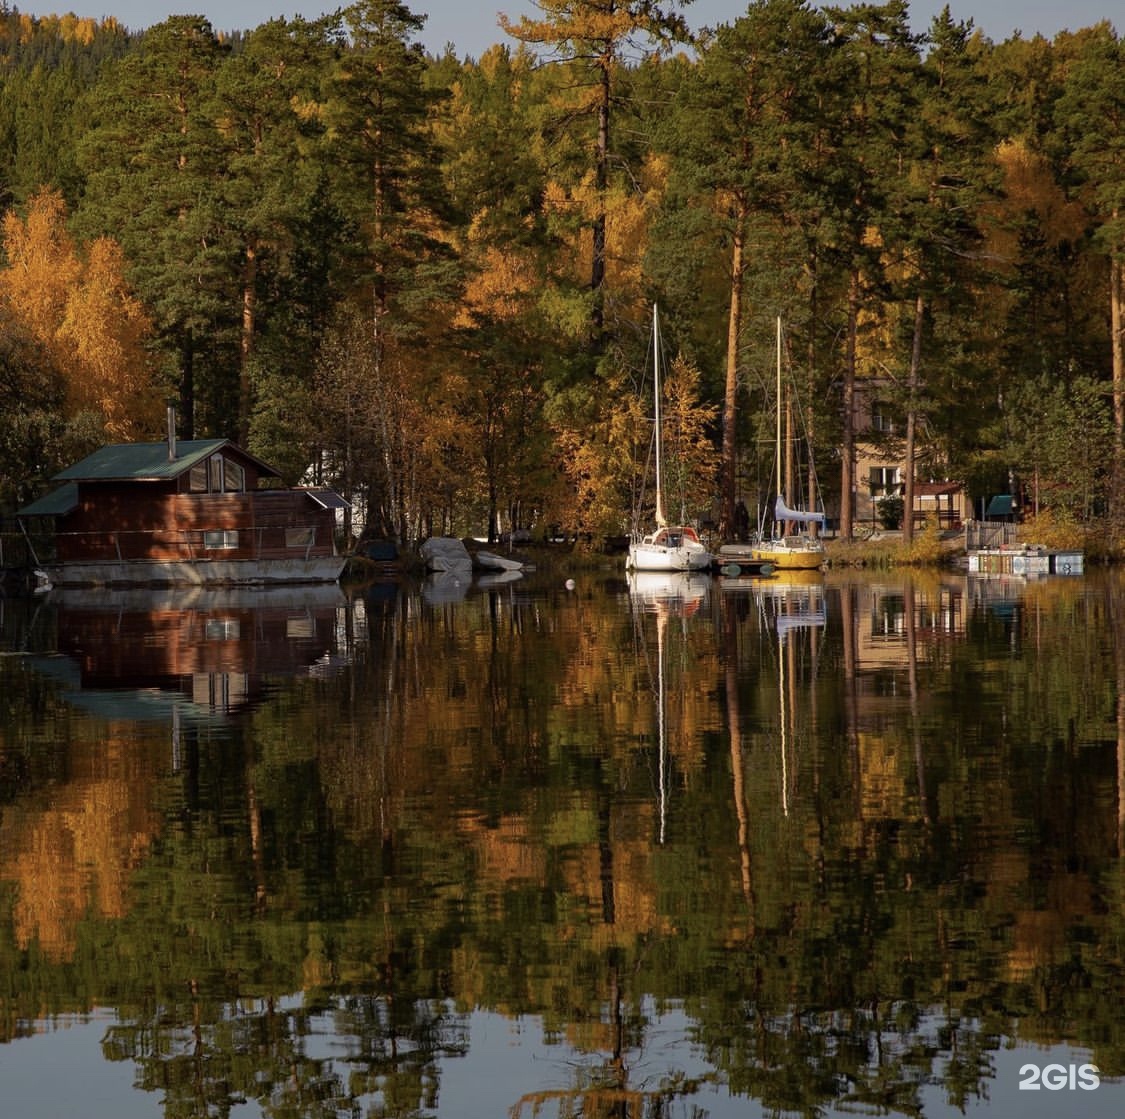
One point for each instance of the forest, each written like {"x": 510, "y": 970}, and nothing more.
{"x": 428, "y": 281}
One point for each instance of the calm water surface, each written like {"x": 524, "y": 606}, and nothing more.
{"x": 712, "y": 849}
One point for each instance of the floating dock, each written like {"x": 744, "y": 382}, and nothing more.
{"x": 1028, "y": 559}
{"x": 738, "y": 559}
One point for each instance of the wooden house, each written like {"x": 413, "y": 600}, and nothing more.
{"x": 881, "y": 467}
{"x": 194, "y": 512}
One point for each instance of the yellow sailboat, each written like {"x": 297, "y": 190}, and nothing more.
{"x": 789, "y": 551}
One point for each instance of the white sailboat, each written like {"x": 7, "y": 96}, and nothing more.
{"x": 786, "y": 550}
{"x": 668, "y": 547}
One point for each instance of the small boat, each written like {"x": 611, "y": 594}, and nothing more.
{"x": 443, "y": 554}
{"x": 491, "y": 561}
{"x": 787, "y": 551}
{"x": 668, "y": 547}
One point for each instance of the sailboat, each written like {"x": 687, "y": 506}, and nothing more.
{"x": 668, "y": 547}
{"x": 789, "y": 551}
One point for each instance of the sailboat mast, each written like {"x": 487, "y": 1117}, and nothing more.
{"x": 780, "y": 492}
{"x": 661, "y": 520}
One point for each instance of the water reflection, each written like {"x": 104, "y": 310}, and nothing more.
{"x": 696, "y": 847}
{"x": 160, "y": 654}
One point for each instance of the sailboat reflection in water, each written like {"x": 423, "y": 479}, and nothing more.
{"x": 796, "y": 608}
{"x": 616, "y": 1070}
{"x": 669, "y": 596}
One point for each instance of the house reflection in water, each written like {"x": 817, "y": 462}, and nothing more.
{"x": 150, "y": 654}
{"x": 892, "y": 615}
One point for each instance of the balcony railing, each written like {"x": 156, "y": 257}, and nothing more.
{"x": 179, "y": 545}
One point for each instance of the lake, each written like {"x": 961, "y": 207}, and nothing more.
{"x": 706, "y": 848}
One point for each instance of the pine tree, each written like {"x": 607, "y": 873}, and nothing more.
{"x": 153, "y": 176}
{"x": 594, "y": 40}
{"x": 745, "y": 125}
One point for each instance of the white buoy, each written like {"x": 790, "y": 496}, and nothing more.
{"x": 570, "y": 584}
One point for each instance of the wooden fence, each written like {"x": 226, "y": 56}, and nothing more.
{"x": 989, "y": 534}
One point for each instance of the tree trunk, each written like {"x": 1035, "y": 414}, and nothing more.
{"x": 187, "y": 385}
{"x": 847, "y": 466}
{"x": 601, "y": 180}
{"x": 1117, "y": 336}
{"x": 911, "y": 421}
{"x": 730, "y": 395}
{"x": 246, "y": 343}
{"x": 810, "y": 387}
{"x": 1117, "y": 352}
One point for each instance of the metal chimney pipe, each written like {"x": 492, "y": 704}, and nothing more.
{"x": 171, "y": 433}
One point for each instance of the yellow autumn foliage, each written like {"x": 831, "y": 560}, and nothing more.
{"x": 104, "y": 329}
{"x": 629, "y": 209}
{"x": 1030, "y": 185}
{"x": 503, "y": 284}
{"x": 605, "y": 461}
{"x": 75, "y": 303}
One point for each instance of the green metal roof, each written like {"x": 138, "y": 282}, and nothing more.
{"x": 57, "y": 503}
{"x": 141, "y": 461}
{"x": 149, "y": 462}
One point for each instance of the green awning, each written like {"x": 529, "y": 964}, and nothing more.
{"x": 57, "y": 503}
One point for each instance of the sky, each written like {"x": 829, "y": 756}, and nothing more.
{"x": 471, "y": 25}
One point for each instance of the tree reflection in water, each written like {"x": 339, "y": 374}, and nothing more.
{"x": 849, "y": 861}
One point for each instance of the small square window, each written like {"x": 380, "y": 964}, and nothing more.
{"x": 220, "y": 538}
{"x": 299, "y": 628}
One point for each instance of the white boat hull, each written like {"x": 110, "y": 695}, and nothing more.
{"x": 493, "y": 562}
{"x": 670, "y": 548}
{"x": 655, "y": 557}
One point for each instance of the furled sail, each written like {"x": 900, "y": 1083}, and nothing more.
{"x": 782, "y": 512}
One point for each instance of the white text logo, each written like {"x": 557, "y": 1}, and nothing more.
{"x": 1057, "y": 1077}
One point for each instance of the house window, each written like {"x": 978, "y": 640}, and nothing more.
{"x": 299, "y": 628}
{"x": 220, "y": 538}
{"x": 885, "y": 479}
{"x": 299, "y": 537}
{"x": 881, "y": 420}
{"x": 222, "y": 629}
{"x": 217, "y": 475}
{"x": 234, "y": 477}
